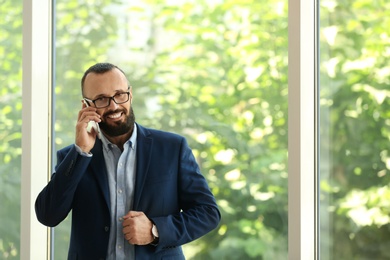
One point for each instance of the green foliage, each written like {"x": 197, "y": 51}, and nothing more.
{"x": 10, "y": 127}
{"x": 355, "y": 78}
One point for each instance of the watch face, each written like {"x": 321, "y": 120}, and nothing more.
{"x": 154, "y": 231}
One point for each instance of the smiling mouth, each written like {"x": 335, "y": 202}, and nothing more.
{"x": 115, "y": 115}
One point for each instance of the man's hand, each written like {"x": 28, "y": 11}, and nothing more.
{"x": 86, "y": 140}
{"x": 137, "y": 228}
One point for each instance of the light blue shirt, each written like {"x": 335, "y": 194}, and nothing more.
{"x": 121, "y": 179}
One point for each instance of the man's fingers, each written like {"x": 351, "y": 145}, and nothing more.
{"x": 132, "y": 214}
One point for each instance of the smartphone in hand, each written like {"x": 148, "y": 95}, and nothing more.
{"x": 93, "y": 125}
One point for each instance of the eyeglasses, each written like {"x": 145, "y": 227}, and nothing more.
{"x": 102, "y": 102}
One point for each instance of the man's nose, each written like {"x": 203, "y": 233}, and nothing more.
{"x": 113, "y": 105}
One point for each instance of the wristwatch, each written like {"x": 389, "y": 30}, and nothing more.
{"x": 155, "y": 235}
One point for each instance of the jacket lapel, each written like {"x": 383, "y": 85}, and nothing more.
{"x": 99, "y": 170}
{"x": 144, "y": 148}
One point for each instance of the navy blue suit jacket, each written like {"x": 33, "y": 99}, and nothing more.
{"x": 169, "y": 189}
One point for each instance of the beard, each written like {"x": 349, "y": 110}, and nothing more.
{"x": 119, "y": 128}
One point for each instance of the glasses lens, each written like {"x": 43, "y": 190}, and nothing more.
{"x": 102, "y": 102}
{"x": 121, "y": 97}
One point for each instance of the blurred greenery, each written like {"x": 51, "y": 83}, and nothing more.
{"x": 216, "y": 72}
{"x": 355, "y": 77}
{"x": 10, "y": 126}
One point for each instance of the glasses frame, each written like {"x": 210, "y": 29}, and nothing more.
{"x": 109, "y": 99}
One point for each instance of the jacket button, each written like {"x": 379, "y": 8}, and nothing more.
{"x": 106, "y": 228}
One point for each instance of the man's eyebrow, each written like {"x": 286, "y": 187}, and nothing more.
{"x": 116, "y": 92}
{"x": 100, "y": 96}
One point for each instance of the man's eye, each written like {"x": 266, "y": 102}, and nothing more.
{"x": 100, "y": 99}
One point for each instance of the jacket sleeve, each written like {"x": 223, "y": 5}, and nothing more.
{"x": 198, "y": 211}
{"x": 54, "y": 202}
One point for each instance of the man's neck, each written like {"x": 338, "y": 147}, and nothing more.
{"x": 119, "y": 140}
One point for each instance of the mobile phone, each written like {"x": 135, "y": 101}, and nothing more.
{"x": 93, "y": 125}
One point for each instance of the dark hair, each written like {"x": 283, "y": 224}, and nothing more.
{"x": 99, "y": 68}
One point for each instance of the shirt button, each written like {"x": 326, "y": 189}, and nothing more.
{"x": 120, "y": 247}
{"x": 120, "y": 219}
{"x": 119, "y": 191}
{"x": 106, "y": 228}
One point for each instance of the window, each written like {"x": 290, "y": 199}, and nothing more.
{"x": 197, "y": 70}
{"x": 10, "y": 127}
{"x": 217, "y": 73}
{"x": 354, "y": 132}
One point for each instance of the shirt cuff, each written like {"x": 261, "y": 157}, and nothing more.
{"x": 78, "y": 149}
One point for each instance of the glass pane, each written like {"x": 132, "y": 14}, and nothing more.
{"x": 213, "y": 71}
{"x": 355, "y": 129}
{"x": 10, "y": 127}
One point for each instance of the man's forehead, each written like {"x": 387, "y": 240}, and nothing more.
{"x": 105, "y": 83}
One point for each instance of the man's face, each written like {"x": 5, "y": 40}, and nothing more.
{"x": 117, "y": 119}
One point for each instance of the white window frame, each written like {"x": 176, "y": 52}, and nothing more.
{"x": 36, "y": 124}
{"x": 302, "y": 126}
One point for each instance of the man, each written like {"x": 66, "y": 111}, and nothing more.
{"x": 134, "y": 192}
